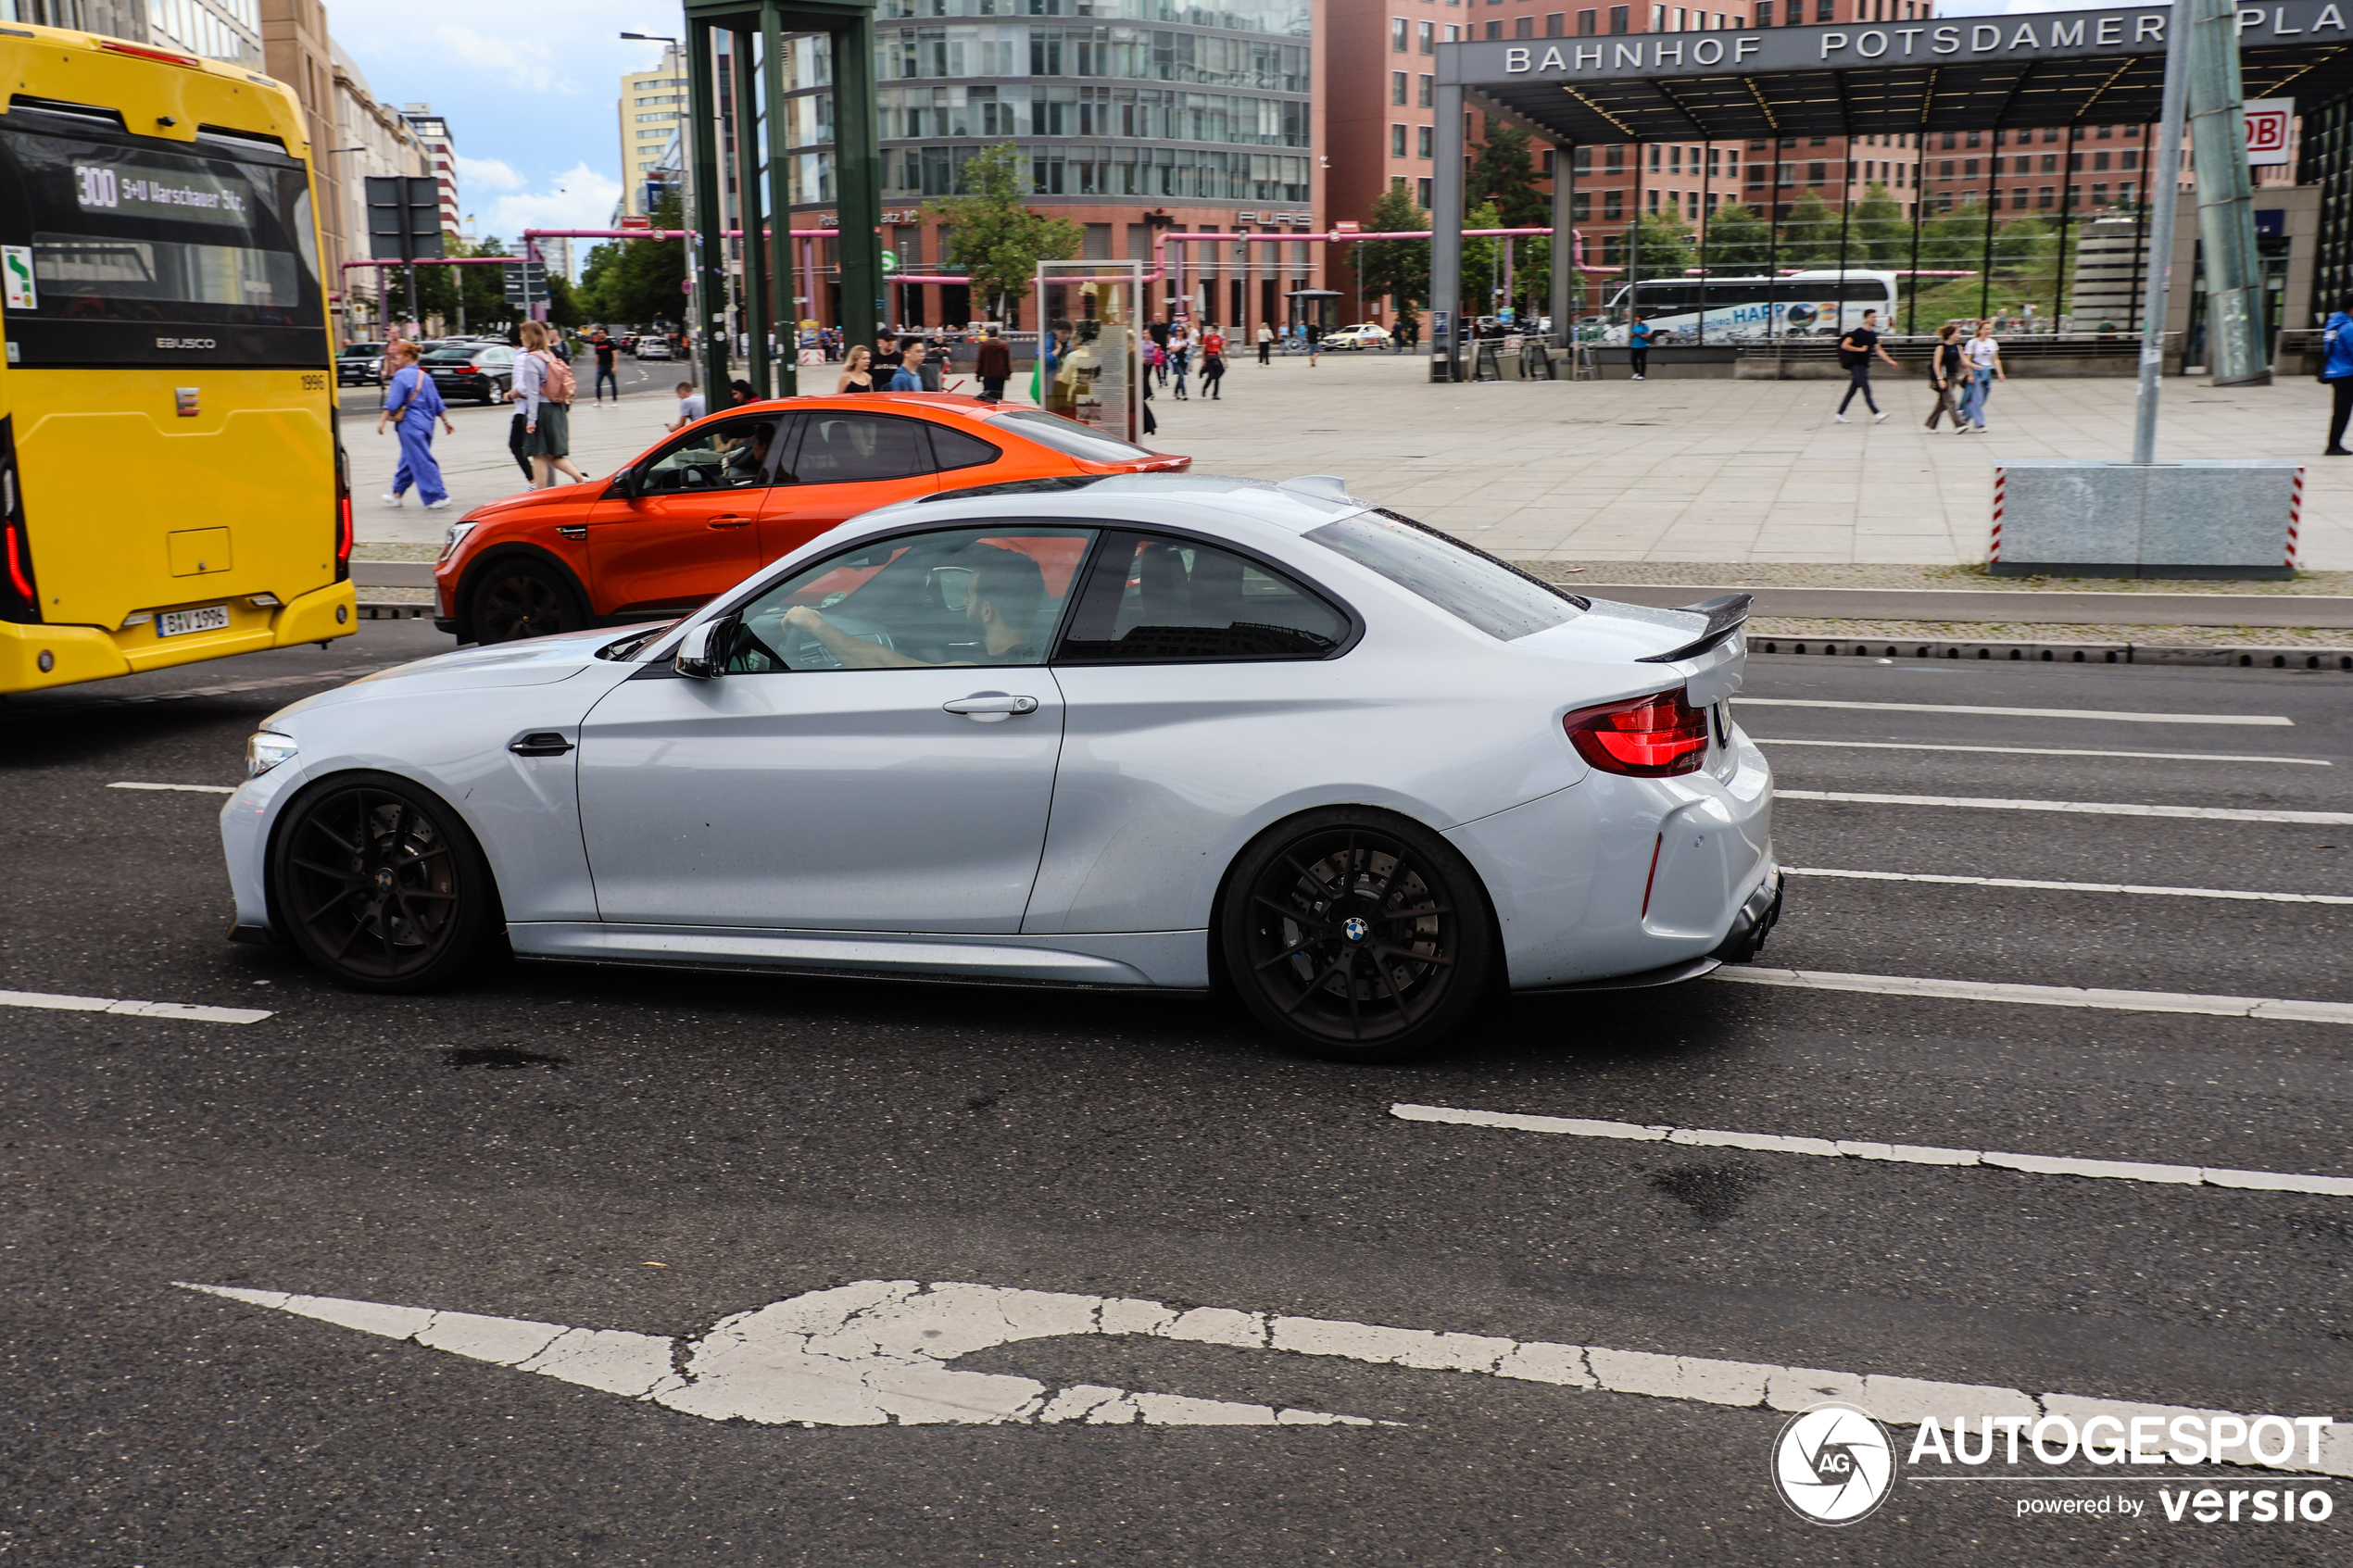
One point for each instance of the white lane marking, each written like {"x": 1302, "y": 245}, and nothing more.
{"x": 2047, "y": 751}
{"x": 876, "y": 1353}
{"x": 2268, "y": 719}
{"x": 2075, "y": 886}
{"x": 191, "y": 789}
{"x": 136, "y": 1010}
{"x": 2092, "y": 808}
{"x": 1908, "y": 1154}
{"x": 2045, "y": 996}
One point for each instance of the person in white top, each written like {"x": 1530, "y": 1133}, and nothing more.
{"x": 1982, "y": 357}
{"x": 690, "y": 406}
{"x": 1266, "y": 343}
{"x": 546, "y": 423}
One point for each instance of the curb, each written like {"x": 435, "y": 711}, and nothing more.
{"x": 2243, "y": 657}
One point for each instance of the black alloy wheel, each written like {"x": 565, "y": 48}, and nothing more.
{"x": 1356, "y": 935}
{"x": 379, "y": 885}
{"x": 520, "y": 598}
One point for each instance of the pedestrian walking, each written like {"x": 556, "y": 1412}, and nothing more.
{"x": 1315, "y": 342}
{"x": 929, "y": 368}
{"x": 1213, "y": 364}
{"x": 1983, "y": 358}
{"x": 1638, "y": 355}
{"x": 544, "y": 387}
{"x": 1855, "y": 351}
{"x": 1151, "y": 425}
{"x": 1179, "y": 352}
{"x": 739, "y": 393}
{"x": 1266, "y": 343}
{"x": 858, "y": 372}
{"x": 1155, "y": 364}
{"x": 2337, "y": 374}
{"x": 690, "y": 406}
{"x": 411, "y": 404}
{"x": 1945, "y": 373}
{"x": 889, "y": 354}
{"x": 606, "y": 350}
{"x": 994, "y": 365}
{"x": 908, "y": 377}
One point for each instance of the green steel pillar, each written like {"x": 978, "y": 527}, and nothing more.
{"x": 706, "y": 216}
{"x": 746, "y": 83}
{"x": 777, "y": 246}
{"x": 2237, "y": 350}
{"x": 857, "y": 177}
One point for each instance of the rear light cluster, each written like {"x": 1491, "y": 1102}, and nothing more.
{"x": 1649, "y": 737}
{"x": 343, "y": 497}
{"x": 20, "y": 590}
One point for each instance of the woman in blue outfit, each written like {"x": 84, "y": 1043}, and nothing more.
{"x": 412, "y": 400}
{"x": 2336, "y": 373}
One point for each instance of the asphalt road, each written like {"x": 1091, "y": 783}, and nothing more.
{"x": 651, "y": 1153}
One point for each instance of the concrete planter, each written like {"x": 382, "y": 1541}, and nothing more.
{"x": 2067, "y": 516}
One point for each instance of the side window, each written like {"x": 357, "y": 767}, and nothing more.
{"x": 990, "y": 594}
{"x": 846, "y": 448}
{"x": 956, "y": 450}
{"x": 722, "y": 455}
{"x": 1170, "y": 601}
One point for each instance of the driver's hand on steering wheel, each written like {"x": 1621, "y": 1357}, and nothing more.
{"x": 803, "y": 617}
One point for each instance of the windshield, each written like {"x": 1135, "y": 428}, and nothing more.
{"x": 1500, "y": 599}
{"x": 1071, "y": 438}
{"x": 121, "y": 252}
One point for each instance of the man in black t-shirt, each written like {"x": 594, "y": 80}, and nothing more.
{"x": 1855, "y": 351}
{"x": 603, "y": 344}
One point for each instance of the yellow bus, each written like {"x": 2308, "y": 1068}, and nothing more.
{"x": 171, "y": 481}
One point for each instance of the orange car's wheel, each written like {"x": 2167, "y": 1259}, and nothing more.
{"x": 520, "y": 598}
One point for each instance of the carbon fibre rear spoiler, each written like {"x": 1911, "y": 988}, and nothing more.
{"x": 1725, "y": 616}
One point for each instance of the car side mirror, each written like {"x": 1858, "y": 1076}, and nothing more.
{"x": 624, "y": 486}
{"x": 702, "y": 653}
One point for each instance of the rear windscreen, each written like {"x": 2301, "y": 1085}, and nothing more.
{"x": 116, "y": 251}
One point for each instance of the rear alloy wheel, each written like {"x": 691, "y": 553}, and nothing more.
{"x": 380, "y": 885}
{"x": 520, "y": 598}
{"x": 1356, "y": 935}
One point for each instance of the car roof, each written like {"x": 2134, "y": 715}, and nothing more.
{"x": 1217, "y": 503}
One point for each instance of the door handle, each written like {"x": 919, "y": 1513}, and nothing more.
{"x": 731, "y": 520}
{"x": 541, "y": 743}
{"x": 990, "y": 707}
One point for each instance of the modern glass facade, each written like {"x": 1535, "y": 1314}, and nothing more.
{"x": 1121, "y": 100}
{"x": 2328, "y": 162}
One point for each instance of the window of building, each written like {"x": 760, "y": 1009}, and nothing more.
{"x": 1428, "y": 92}
{"x": 1656, "y": 150}
{"x": 1826, "y": 10}
{"x": 1495, "y": 31}
{"x": 1453, "y": 34}
{"x": 2050, "y": 134}
{"x": 2124, "y": 193}
{"x": 1613, "y": 159}
{"x": 1614, "y": 206}
{"x": 1583, "y": 162}
{"x": 2105, "y": 131}
{"x": 1397, "y": 87}
{"x": 1654, "y": 195}
{"x": 1544, "y": 167}
{"x": 1423, "y": 139}
{"x": 1397, "y": 34}
{"x": 2050, "y": 163}
{"x": 2099, "y": 161}
{"x": 1580, "y": 207}
{"x": 1621, "y": 19}
{"x": 1555, "y": 23}
{"x": 2018, "y": 198}
{"x": 1586, "y": 26}
{"x": 1524, "y": 26}
{"x": 1764, "y": 13}
{"x": 1428, "y": 33}
{"x": 1422, "y": 192}
{"x": 2128, "y": 159}
{"x": 1397, "y": 141}
{"x": 1815, "y": 173}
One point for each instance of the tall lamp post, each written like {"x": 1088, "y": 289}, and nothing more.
{"x": 687, "y": 194}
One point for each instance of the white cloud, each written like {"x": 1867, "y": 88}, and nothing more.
{"x": 521, "y": 63}
{"x": 496, "y": 173}
{"x": 580, "y": 198}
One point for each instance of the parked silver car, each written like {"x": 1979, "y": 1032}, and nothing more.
{"x": 1151, "y": 731}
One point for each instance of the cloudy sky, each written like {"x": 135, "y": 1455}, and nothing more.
{"x": 528, "y": 87}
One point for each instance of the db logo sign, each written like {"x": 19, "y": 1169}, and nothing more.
{"x": 2267, "y": 129}
{"x": 1833, "y": 1464}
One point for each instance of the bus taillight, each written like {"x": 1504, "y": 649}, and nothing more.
{"x": 342, "y": 499}
{"x": 19, "y": 592}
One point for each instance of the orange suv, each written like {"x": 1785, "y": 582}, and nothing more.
{"x": 731, "y": 493}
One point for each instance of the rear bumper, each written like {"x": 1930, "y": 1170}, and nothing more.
{"x": 92, "y": 653}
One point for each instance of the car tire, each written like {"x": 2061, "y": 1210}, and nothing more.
{"x": 380, "y": 884}
{"x": 1356, "y": 934}
{"x": 520, "y": 598}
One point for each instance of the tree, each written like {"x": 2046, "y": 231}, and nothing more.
{"x": 1809, "y": 235}
{"x": 1737, "y": 241}
{"x": 564, "y": 302}
{"x": 1878, "y": 234}
{"x": 639, "y": 282}
{"x": 483, "y": 289}
{"x": 1504, "y": 174}
{"x": 1399, "y": 268}
{"x": 1665, "y": 246}
{"x": 1482, "y": 262}
{"x": 995, "y": 239}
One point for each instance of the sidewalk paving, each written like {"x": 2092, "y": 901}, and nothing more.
{"x": 1636, "y": 481}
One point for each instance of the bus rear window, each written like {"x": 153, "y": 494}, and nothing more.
{"x": 118, "y": 252}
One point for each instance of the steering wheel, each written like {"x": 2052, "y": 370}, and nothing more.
{"x": 804, "y": 651}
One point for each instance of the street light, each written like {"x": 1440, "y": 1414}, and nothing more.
{"x": 687, "y": 194}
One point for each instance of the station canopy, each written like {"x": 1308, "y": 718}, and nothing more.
{"x": 2102, "y": 65}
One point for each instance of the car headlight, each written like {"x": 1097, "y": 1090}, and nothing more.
{"x": 451, "y": 540}
{"x": 265, "y": 749}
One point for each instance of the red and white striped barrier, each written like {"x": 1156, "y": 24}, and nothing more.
{"x": 2295, "y": 514}
{"x": 2001, "y": 478}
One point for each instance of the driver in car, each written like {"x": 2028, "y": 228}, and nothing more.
{"x": 748, "y": 457}
{"x": 999, "y": 606}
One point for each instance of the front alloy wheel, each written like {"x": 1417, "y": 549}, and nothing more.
{"x": 1356, "y": 935}
{"x": 380, "y": 885}
{"x": 520, "y": 598}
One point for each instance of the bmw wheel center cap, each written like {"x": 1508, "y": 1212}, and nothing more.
{"x": 1356, "y": 928}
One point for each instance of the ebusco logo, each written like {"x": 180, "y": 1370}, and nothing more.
{"x": 1833, "y": 1464}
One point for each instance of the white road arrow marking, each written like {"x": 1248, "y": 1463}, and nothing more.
{"x": 876, "y": 1353}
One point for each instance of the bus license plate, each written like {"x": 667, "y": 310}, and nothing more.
{"x": 179, "y": 623}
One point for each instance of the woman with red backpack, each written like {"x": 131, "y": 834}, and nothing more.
{"x": 542, "y": 388}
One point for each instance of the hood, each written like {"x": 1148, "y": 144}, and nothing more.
{"x": 564, "y": 497}
{"x": 1611, "y": 632}
{"x": 534, "y": 661}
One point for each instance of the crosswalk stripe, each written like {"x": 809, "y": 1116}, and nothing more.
{"x": 2043, "y": 995}
{"x": 180, "y": 1010}
{"x": 2089, "y": 808}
